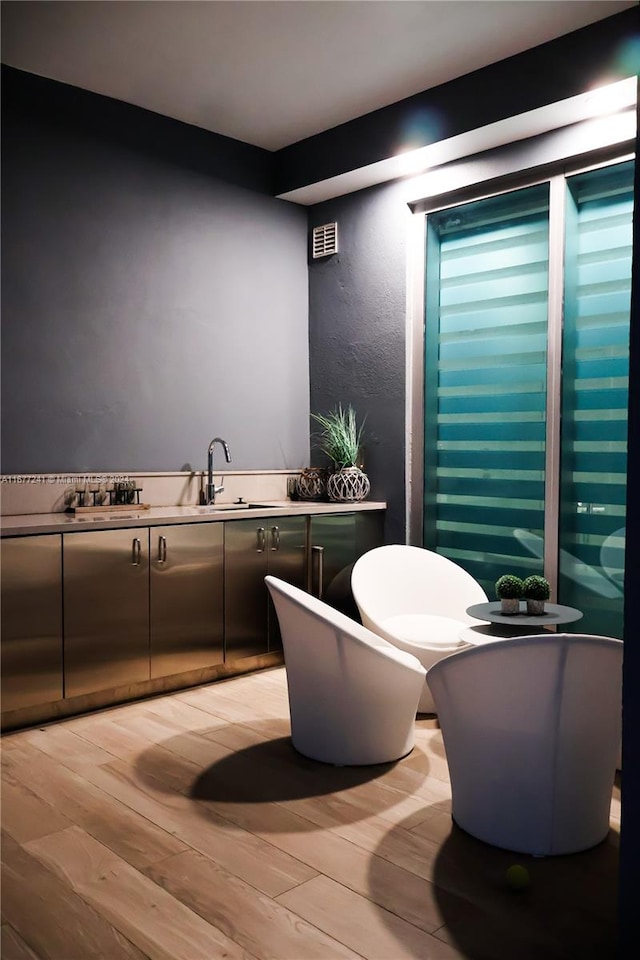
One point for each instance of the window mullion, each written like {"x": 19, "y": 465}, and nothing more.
{"x": 557, "y": 210}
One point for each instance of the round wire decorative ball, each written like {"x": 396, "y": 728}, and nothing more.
{"x": 348, "y": 484}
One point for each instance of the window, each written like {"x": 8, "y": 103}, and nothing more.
{"x": 527, "y": 299}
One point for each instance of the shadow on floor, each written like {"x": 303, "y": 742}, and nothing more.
{"x": 274, "y": 772}
{"x": 566, "y": 911}
{"x": 270, "y": 771}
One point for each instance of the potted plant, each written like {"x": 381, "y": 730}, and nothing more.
{"x": 508, "y": 591}
{"x": 535, "y": 590}
{"x": 340, "y": 439}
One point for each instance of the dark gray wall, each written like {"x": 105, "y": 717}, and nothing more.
{"x": 147, "y": 304}
{"x": 357, "y": 319}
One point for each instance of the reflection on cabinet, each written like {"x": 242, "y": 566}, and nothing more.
{"x": 252, "y": 550}
{"x": 106, "y": 609}
{"x": 186, "y": 597}
{"x": 31, "y": 621}
{"x": 336, "y": 543}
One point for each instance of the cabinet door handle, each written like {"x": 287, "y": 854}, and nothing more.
{"x": 136, "y": 552}
{"x": 162, "y": 549}
{"x": 275, "y": 538}
{"x": 260, "y": 539}
{"x": 319, "y": 552}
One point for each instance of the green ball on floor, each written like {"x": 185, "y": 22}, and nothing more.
{"x": 517, "y": 877}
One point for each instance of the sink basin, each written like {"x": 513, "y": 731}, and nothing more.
{"x": 220, "y": 507}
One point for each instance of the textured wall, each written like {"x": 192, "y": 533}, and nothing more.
{"x": 147, "y": 305}
{"x": 357, "y": 320}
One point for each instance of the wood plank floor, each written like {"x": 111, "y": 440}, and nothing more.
{"x": 186, "y": 827}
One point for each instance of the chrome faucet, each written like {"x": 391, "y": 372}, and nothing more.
{"x": 212, "y": 490}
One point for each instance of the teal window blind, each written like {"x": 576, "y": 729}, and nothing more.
{"x": 487, "y": 272}
{"x": 595, "y": 394}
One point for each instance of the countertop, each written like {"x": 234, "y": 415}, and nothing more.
{"x": 37, "y": 523}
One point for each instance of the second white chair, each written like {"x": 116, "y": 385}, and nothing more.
{"x": 531, "y": 729}
{"x": 417, "y": 600}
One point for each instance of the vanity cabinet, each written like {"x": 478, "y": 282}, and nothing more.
{"x": 253, "y": 549}
{"x": 141, "y": 604}
{"x": 187, "y": 624}
{"x": 106, "y": 609}
{"x": 103, "y": 615}
{"x": 31, "y": 623}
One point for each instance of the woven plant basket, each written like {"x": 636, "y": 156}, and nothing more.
{"x": 312, "y": 484}
{"x": 348, "y": 485}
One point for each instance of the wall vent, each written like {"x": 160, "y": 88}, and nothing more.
{"x": 325, "y": 240}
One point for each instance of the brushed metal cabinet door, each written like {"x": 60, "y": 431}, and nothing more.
{"x": 31, "y": 621}
{"x": 106, "y": 609}
{"x": 286, "y": 559}
{"x": 337, "y": 537}
{"x": 245, "y": 592}
{"x": 187, "y": 624}
{"x": 344, "y": 538}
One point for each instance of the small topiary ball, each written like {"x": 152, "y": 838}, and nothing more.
{"x": 536, "y": 588}
{"x": 509, "y": 587}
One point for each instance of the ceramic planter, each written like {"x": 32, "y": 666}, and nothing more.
{"x": 510, "y": 606}
{"x": 535, "y": 608}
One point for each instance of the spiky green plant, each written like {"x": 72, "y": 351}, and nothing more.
{"x": 340, "y": 436}
{"x": 509, "y": 587}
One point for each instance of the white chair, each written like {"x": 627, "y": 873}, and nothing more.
{"x": 417, "y": 600}
{"x": 531, "y": 729}
{"x": 352, "y": 695}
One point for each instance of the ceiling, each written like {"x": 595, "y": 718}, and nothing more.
{"x": 272, "y": 73}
